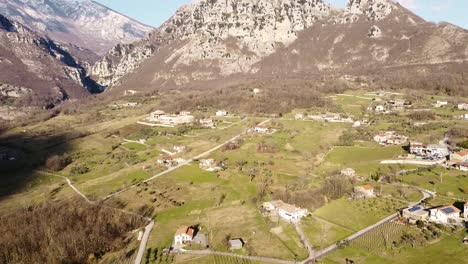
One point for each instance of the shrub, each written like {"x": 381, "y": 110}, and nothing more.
{"x": 80, "y": 169}
{"x": 58, "y": 163}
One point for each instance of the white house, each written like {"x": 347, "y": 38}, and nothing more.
{"x": 439, "y": 104}
{"x": 222, "y": 113}
{"x": 262, "y": 129}
{"x": 209, "y": 165}
{"x": 461, "y": 156}
{"x": 348, "y": 172}
{"x": 463, "y": 106}
{"x": 179, "y": 148}
{"x": 445, "y": 214}
{"x": 160, "y": 117}
{"x": 184, "y": 235}
{"x": 288, "y": 212}
{"x": 256, "y": 91}
{"x": 389, "y": 138}
{"x": 465, "y": 211}
{"x": 379, "y": 108}
{"x": 299, "y": 116}
{"x": 235, "y": 244}
{"x": 366, "y": 191}
{"x": 431, "y": 150}
{"x": 207, "y": 122}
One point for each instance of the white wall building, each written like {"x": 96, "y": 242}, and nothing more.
{"x": 465, "y": 211}
{"x": 463, "y": 106}
{"x": 288, "y": 212}
{"x": 183, "y": 235}
{"x": 222, "y": 113}
{"x": 445, "y": 214}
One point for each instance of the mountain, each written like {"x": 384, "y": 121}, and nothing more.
{"x": 244, "y": 39}
{"x": 36, "y": 71}
{"x": 86, "y": 24}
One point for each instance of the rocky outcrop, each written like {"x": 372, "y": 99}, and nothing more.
{"x": 121, "y": 60}
{"x": 228, "y": 36}
{"x": 36, "y": 70}
{"x": 86, "y": 24}
{"x": 217, "y": 39}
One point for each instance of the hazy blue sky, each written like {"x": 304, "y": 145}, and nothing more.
{"x": 154, "y": 12}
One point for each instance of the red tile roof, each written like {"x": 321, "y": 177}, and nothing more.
{"x": 462, "y": 153}
{"x": 367, "y": 187}
{"x": 185, "y": 230}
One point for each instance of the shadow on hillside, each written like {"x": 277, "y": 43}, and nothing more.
{"x": 22, "y": 155}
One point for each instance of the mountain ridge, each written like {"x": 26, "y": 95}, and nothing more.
{"x": 77, "y": 22}
{"x": 210, "y": 40}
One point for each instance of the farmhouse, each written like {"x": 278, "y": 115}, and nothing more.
{"x": 290, "y": 213}
{"x": 379, "y": 108}
{"x": 263, "y": 130}
{"x": 457, "y": 157}
{"x": 349, "y": 172}
{"x": 235, "y": 244}
{"x": 299, "y": 116}
{"x": 184, "y": 235}
{"x": 364, "y": 191}
{"x": 179, "y": 148}
{"x": 463, "y": 106}
{"x": 209, "y": 165}
{"x": 445, "y": 214}
{"x": 431, "y": 150}
{"x": 416, "y": 213}
{"x": 222, "y": 113}
{"x": 170, "y": 161}
{"x": 390, "y": 138}
{"x": 256, "y": 91}
{"x": 439, "y": 104}
{"x": 161, "y": 118}
{"x": 207, "y": 122}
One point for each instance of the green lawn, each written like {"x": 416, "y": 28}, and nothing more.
{"x": 357, "y": 214}
{"x": 449, "y": 249}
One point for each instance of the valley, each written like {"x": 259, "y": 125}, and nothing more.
{"x": 238, "y": 131}
{"x": 114, "y": 162}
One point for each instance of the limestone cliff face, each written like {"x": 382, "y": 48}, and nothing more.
{"x": 228, "y": 36}
{"x": 36, "y": 67}
{"x": 86, "y": 24}
{"x": 213, "y": 39}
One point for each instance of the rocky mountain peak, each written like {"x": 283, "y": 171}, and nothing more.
{"x": 374, "y": 10}
{"x": 77, "y": 22}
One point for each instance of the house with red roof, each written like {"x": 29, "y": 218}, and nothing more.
{"x": 458, "y": 157}
{"x": 184, "y": 235}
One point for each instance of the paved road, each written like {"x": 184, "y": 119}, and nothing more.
{"x": 328, "y": 250}
{"x": 144, "y": 241}
{"x": 148, "y": 228}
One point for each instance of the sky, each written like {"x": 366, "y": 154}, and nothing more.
{"x": 155, "y": 12}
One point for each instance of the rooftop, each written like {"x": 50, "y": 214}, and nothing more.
{"x": 462, "y": 153}
{"x": 367, "y": 187}
{"x": 449, "y": 209}
{"x": 185, "y": 230}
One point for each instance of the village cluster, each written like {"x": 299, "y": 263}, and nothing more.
{"x": 277, "y": 210}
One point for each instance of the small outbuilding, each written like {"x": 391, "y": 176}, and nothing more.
{"x": 235, "y": 244}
